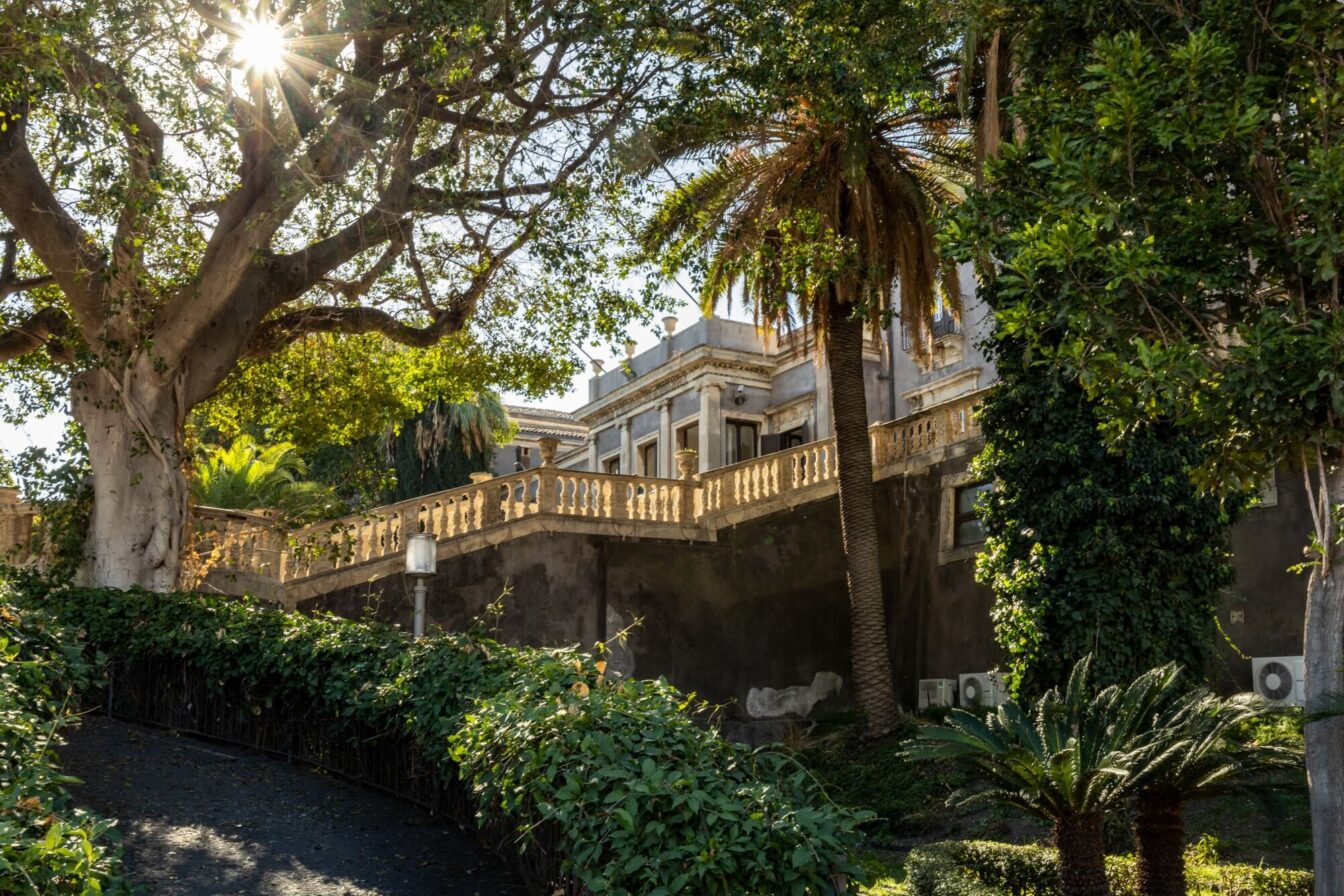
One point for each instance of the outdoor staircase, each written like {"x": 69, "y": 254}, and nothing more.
{"x": 250, "y": 552}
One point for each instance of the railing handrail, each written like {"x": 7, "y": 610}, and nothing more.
{"x": 551, "y": 491}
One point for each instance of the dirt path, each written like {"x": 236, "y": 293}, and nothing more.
{"x": 204, "y": 820}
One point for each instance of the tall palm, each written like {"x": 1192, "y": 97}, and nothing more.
{"x": 814, "y": 219}
{"x": 1191, "y": 752}
{"x": 1069, "y": 761}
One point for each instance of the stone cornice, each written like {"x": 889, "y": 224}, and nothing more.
{"x": 700, "y": 363}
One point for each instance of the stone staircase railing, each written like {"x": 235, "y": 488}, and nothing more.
{"x": 248, "y": 550}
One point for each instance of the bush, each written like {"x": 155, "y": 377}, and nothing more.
{"x": 982, "y": 868}
{"x": 633, "y": 797}
{"x": 47, "y": 846}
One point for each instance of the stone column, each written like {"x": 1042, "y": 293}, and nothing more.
{"x": 825, "y": 424}
{"x": 665, "y": 439}
{"x": 594, "y": 464}
{"x": 711, "y": 426}
{"x": 547, "y": 493}
{"x": 627, "y": 451}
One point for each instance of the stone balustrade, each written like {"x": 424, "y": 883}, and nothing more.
{"x": 16, "y": 526}
{"x": 250, "y": 550}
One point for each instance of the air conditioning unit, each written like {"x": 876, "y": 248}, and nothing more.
{"x": 981, "y": 690}
{"x": 936, "y": 692}
{"x": 1279, "y": 679}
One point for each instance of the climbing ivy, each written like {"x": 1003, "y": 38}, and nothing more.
{"x": 1093, "y": 548}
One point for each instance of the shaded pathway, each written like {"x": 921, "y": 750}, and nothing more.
{"x": 208, "y": 820}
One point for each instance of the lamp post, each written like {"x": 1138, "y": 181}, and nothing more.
{"x": 421, "y": 554}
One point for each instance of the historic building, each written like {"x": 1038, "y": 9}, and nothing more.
{"x": 734, "y": 393}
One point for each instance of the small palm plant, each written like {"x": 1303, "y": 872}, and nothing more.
{"x": 1079, "y": 755}
{"x": 1190, "y": 752}
{"x": 1068, "y": 761}
{"x": 245, "y": 475}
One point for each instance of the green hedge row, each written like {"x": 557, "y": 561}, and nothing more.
{"x": 634, "y": 796}
{"x": 47, "y": 846}
{"x": 985, "y": 868}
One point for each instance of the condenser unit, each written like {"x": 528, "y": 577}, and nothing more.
{"x": 1279, "y": 679}
{"x": 981, "y": 690}
{"x": 936, "y": 692}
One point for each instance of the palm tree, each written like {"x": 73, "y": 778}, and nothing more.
{"x": 246, "y": 475}
{"x": 1190, "y": 752}
{"x": 815, "y": 218}
{"x": 440, "y": 446}
{"x": 1069, "y": 761}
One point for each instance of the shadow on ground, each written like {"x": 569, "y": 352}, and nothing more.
{"x": 207, "y": 820}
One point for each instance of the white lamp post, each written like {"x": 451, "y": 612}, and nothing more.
{"x": 421, "y": 553}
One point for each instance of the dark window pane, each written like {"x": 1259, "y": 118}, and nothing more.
{"x": 970, "y": 532}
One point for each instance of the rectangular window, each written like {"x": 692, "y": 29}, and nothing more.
{"x": 967, "y": 526}
{"x": 522, "y": 458}
{"x": 648, "y": 459}
{"x": 612, "y": 465}
{"x": 741, "y": 438}
{"x": 689, "y": 437}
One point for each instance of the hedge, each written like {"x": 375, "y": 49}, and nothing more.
{"x": 986, "y": 868}
{"x": 610, "y": 779}
{"x": 47, "y": 846}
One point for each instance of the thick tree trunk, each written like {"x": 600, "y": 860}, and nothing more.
{"x": 1160, "y": 832}
{"x": 1082, "y": 856}
{"x": 134, "y": 433}
{"x": 1324, "y": 651}
{"x": 873, "y": 688}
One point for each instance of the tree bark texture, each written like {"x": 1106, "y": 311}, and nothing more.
{"x": 1323, "y": 642}
{"x": 134, "y": 427}
{"x": 1082, "y": 856}
{"x": 869, "y": 648}
{"x": 1160, "y": 833}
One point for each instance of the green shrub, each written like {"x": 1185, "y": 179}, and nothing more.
{"x": 982, "y": 868}
{"x": 47, "y": 846}
{"x": 632, "y": 795}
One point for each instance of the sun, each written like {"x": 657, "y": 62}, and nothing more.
{"x": 260, "y": 46}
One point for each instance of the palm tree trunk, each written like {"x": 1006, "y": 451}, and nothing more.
{"x": 869, "y": 647}
{"x": 1082, "y": 856}
{"x": 1160, "y": 832}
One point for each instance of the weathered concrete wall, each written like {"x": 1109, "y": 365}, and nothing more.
{"x": 756, "y": 617}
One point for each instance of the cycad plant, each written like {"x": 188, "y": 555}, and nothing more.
{"x": 812, "y": 206}
{"x": 1190, "y": 751}
{"x": 245, "y": 475}
{"x": 1067, "y": 760}
{"x": 1078, "y": 755}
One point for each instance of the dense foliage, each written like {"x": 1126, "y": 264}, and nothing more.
{"x": 983, "y": 868}
{"x": 1164, "y": 225}
{"x": 1089, "y": 543}
{"x": 47, "y": 845}
{"x": 641, "y": 800}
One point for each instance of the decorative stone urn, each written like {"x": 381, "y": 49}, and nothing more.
{"x": 548, "y": 445}
{"x": 686, "y": 462}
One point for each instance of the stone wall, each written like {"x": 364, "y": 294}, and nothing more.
{"x": 758, "y": 619}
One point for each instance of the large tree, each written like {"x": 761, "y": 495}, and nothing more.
{"x": 1170, "y": 202}
{"x": 821, "y": 177}
{"x": 184, "y": 185}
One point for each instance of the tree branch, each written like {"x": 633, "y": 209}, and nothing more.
{"x": 44, "y": 328}
{"x": 65, "y": 248}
